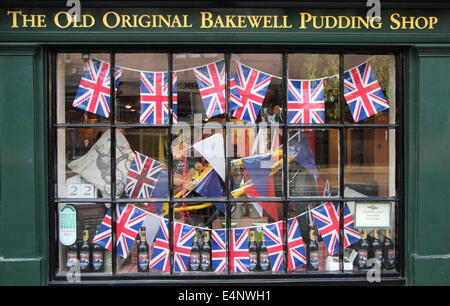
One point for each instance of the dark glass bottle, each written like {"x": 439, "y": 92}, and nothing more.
{"x": 72, "y": 256}
{"x": 363, "y": 251}
{"x": 252, "y": 251}
{"x": 388, "y": 251}
{"x": 313, "y": 251}
{"x": 98, "y": 257}
{"x": 142, "y": 252}
{"x": 85, "y": 251}
{"x": 264, "y": 263}
{"x": 377, "y": 249}
{"x": 205, "y": 252}
{"x": 194, "y": 260}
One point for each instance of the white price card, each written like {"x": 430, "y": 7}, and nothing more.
{"x": 81, "y": 191}
{"x": 372, "y": 215}
{"x": 67, "y": 225}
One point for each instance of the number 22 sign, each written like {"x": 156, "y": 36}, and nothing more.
{"x": 81, "y": 191}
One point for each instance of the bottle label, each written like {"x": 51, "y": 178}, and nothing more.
{"x": 72, "y": 260}
{"x": 253, "y": 260}
{"x": 97, "y": 260}
{"x": 264, "y": 261}
{"x": 378, "y": 254}
{"x": 84, "y": 260}
{"x": 143, "y": 261}
{"x": 314, "y": 260}
{"x": 195, "y": 261}
{"x": 391, "y": 257}
{"x": 206, "y": 261}
{"x": 362, "y": 258}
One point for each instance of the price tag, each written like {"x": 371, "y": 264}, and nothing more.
{"x": 81, "y": 191}
{"x": 67, "y": 225}
{"x": 372, "y": 215}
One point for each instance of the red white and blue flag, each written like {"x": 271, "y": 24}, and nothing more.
{"x": 128, "y": 222}
{"x": 211, "y": 84}
{"x": 142, "y": 176}
{"x": 103, "y": 236}
{"x": 362, "y": 92}
{"x": 93, "y": 93}
{"x": 183, "y": 239}
{"x": 296, "y": 246}
{"x": 249, "y": 92}
{"x": 154, "y": 98}
{"x": 274, "y": 237}
{"x": 351, "y": 235}
{"x": 239, "y": 254}
{"x": 219, "y": 250}
{"x": 306, "y": 102}
{"x": 160, "y": 259}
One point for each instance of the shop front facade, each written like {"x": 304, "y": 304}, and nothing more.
{"x": 178, "y": 170}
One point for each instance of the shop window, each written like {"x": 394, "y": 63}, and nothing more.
{"x": 225, "y": 164}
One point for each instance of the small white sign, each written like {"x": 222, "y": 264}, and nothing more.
{"x": 81, "y": 191}
{"x": 67, "y": 225}
{"x": 372, "y": 215}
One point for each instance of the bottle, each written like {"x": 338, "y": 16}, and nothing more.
{"x": 377, "y": 249}
{"x": 388, "y": 251}
{"x": 72, "y": 256}
{"x": 98, "y": 257}
{"x": 363, "y": 251}
{"x": 142, "y": 252}
{"x": 253, "y": 251}
{"x": 205, "y": 252}
{"x": 85, "y": 251}
{"x": 313, "y": 251}
{"x": 194, "y": 260}
{"x": 264, "y": 263}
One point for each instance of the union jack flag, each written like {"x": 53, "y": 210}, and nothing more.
{"x": 142, "y": 176}
{"x": 363, "y": 93}
{"x": 155, "y": 98}
{"x": 351, "y": 235}
{"x": 128, "y": 222}
{"x": 239, "y": 255}
{"x": 306, "y": 102}
{"x": 161, "y": 250}
{"x": 103, "y": 236}
{"x": 184, "y": 237}
{"x": 93, "y": 93}
{"x": 219, "y": 250}
{"x": 250, "y": 91}
{"x": 296, "y": 246}
{"x": 274, "y": 237}
{"x": 211, "y": 83}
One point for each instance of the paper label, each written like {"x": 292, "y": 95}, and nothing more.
{"x": 67, "y": 225}
{"x": 372, "y": 215}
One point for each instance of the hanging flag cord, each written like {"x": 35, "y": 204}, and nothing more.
{"x": 196, "y": 67}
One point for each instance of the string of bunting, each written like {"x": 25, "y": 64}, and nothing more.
{"x": 248, "y": 89}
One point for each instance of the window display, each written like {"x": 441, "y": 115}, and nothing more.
{"x": 225, "y": 163}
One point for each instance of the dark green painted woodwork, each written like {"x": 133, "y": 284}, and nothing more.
{"x": 24, "y": 238}
{"x": 22, "y": 219}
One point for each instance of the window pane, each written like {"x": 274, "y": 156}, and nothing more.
{"x": 314, "y": 163}
{"x": 200, "y": 238}
{"x": 256, "y": 238}
{"x": 141, "y": 168}
{"x": 304, "y": 67}
{"x": 83, "y": 163}
{"x": 321, "y": 248}
{"x": 128, "y": 106}
{"x": 256, "y": 162}
{"x": 76, "y": 75}
{"x": 370, "y": 163}
{"x": 378, "y": 241}
{"x": 142, "y": 234}
{"x": 370, "y": 97}
{"x": 198, "y": 162}
{"x": 212, "y": 80}
{"x": 85, "y": 248}
{"x": 258, "y": 92}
